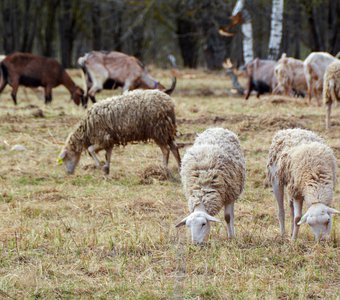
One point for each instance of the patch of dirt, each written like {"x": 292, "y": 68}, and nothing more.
{"x": 90, "y": 167}
{"x": 272, "y": 123}
{"x": 202, "y": 92}
{"x": 141, "y": 205}
{"x": 154, "y": 172}
{"x": 38, "y": 113}
{"x": 216, "y": 119}
{"x": 29, "y": 106}
{"x": 11, "y": 119}
{"x": 281, "y": 99}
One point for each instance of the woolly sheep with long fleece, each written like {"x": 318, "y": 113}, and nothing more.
{"x": 301, "y": 161}
{"x": 139, "y": 115}
{"x": 331, "y": 89}
{"x": 213, "y": 176}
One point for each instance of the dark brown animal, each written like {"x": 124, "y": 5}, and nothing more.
{"x": 33, "y": 71}
{"x": 110, "y": 70}
{"x": 261, "y": 76}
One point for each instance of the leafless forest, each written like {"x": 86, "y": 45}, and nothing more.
{"x": 152, "y": 29}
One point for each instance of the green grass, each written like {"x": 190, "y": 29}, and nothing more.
{"x": 90, "y": 236}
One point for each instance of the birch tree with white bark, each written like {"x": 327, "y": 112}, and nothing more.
{"x": 275, "y": 30}
{"x": 247, "y": 30}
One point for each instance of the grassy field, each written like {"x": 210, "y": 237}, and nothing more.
{"x": 88, "y": 236}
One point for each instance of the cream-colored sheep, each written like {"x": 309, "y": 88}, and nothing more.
{"x": 213, "y": 176}
{"x": 139, "y": 115}
{"x": 301, "y": 161}
{"x": 290, "y": 76}
{"x": 314, "y": 67}
{"x": 331, "y": 89}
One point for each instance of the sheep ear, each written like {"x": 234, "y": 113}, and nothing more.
{"x": 303, "y": 219}
{"x": 333, "y": 211}
{"x": 212, "y": 219}
{"x": 182, "y": 223}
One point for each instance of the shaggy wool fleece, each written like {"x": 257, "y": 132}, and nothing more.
{"x": 139, "y": 115}
{"x": 213, "y": 170}
{"x": 305, "y": 164}
{"x": 331, "y": 83}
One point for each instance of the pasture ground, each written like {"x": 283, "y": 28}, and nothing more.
{"x": 88, "y": 236}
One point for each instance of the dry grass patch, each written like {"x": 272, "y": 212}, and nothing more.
{"x": 90, "y": 236}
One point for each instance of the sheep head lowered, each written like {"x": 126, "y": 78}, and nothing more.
{"x": 199, "y": 224}
{"x": 318, "y": 217}
{"x": 199, "y": 220}
{"x": 69, "y": 159}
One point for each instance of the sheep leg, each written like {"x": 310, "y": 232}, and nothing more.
{"x": 106, "y": 167}
{"x": 175, "y": 152}
{"x": 92, "y": 150}
{"x": 309, "y": 92}
{"x": 291, "y": 205}
{"x": 316, "y": 94}
{"x": 297, "y": 217}
{"x": 328, "y": 115}
{"x": 278, "y": 192}
{"x": 165, "y": 152}
{"x": 229, "y": 218}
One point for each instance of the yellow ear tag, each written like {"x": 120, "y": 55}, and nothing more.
{"x": 60, "y": 161}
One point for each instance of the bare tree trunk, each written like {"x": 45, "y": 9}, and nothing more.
{"x": 276, "y": 29}
{"x": 66, "y": 32}
{"x": 10, "y": 11}
{"x": 247, "y": 31}
{"x": 334, "y": 22}
{"x": 297, "y": 28}
{"x": 49, "y": 27}
{"x": 96, "y": 28}
{"x": 30, "y": 20}
{"x": 188, "y": 42}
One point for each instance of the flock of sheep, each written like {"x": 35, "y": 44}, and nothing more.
{"x": 213, "y": 170}
{"x": 318, "y": 75}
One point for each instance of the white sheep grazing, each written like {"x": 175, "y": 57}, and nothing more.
{"x": 139, "y": 115}
{"x": 314, "y": 67}
{"x": 301, "y": 161}
{"x": 213, "y": 176}
{"x": 331, "y": 89}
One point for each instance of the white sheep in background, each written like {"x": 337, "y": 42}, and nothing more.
{"x": 331, "y": 89}
{"x": 139, "y": 115}
{"x": 213, "y": 176}
{"x": 290, "y": 76}
{"x": 315, "y": 66}
{"x": 301, "y": 161}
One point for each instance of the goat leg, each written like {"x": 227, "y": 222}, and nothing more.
{"x": 48, "y": 94}
{"x": 14, "y": 93}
